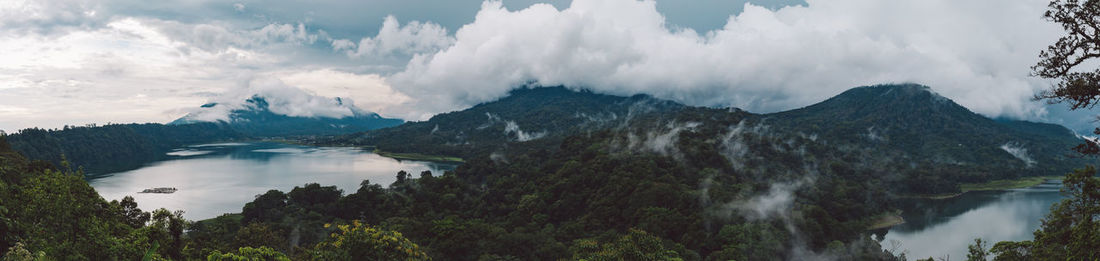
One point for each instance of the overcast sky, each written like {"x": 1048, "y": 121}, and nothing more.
{"x": 78, "y": 62}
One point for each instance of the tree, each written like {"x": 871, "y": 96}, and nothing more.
{"x": 977, "y": 251}
{"x": 249, "y": 254}
{"x": 1081, "y": 89}
{"x": 1070, "y": 231}
{"x": 636, "y": 245}
{"x": 20, "y": 253}
{"x": 131, "y": 213}
{"x": 261, "y": 235}
{"x": 357, "y": 241}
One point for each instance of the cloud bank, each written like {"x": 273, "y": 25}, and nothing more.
{"x": 143, "y": 62}
{"x": 974, "y": 52}
{"x": 281, "y": 99}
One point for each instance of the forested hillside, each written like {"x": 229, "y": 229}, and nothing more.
{"x": 595, "y": 191}
{"x": 50, "y": 214}
{"x": 530, "y": 115}
{"x": 113, "y": 147}
{"x": 925, "y": 142}
{"x": 913, "y": 122}
{"x": 552, "y": 174}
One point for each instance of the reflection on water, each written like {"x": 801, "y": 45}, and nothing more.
{"x": 939, "y": 228}
{"x": 219, "y": 178}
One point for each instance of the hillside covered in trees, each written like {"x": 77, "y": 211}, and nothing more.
{"x": 53, "y": 214}
{"x": 552, "y": 173}
{"x": 114, "y": 147}
{"x": 924, "y": 143}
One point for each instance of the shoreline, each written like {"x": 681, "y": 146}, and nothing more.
{"x": 994, "y": 185}
{"x": 419, "y": 157}
{"x": 375, "y": 150}
{"x": 887, "y": 220}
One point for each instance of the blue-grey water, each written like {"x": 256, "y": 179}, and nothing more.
{"x": 944, "y": 228}
{"x": 214, "y": 179}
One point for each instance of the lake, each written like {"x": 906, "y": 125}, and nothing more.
{"x": 214, "y": 179}
{"x": 938, "y": 228}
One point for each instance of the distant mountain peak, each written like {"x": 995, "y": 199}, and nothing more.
{"x": 298, "y": 114}
{"x": 894, "y": 92}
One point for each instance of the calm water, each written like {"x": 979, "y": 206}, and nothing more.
{"x": 214, "y": 179}
{"x": 937, "y": 228}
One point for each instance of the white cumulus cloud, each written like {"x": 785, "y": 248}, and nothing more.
{"x": 976, "y": 52}
{"x": 414, "y": 37}
{"x": 282, "y": 99}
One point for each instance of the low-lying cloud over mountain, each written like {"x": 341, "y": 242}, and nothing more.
{"x": 976, "y": 52}
{"x": 279, "y": 98}
{"x": 147, "y": 62}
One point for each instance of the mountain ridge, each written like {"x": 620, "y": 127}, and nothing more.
{"x": 906, "y": 127}
{"x": 257, "y": 118}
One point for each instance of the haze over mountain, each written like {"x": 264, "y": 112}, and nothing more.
{"x": 925, "y": 125}
{"x": 258, "y": 117}
{"x": 763, "y": 56}
{"x": 906, "y": 127}
{"x": 272, "y": 108}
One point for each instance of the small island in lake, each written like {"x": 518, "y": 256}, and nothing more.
{"x": 159, "y": 190}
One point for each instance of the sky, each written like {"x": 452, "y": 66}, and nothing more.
{"x": 79, "y": 62}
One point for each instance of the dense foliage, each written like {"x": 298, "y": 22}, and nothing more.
{"x": 50, "y": 214}
{"x": 925, "y": 143}
{"x": 595, "y": 197}
{"x": 555, "y": 174}
{"x": 113, "y": 147}
{"x": 56, "y": 214}
{"x": 911, "y": 124}
{"x": 534, "y": 115}
{"x": 1071, "y": 231}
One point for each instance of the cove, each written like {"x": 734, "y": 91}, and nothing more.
{"x": 213, "y": 179}
{"x": 945, "y": 227}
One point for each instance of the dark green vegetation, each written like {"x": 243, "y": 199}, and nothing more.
{"x": 57, "y": 214}
{"x": 933, "y": 141}
{"x": 50, "y": 214}
{"x": 257, "y": 120}
{"x": 592, "y": 193}
{"x": 117, "y": 147}
{"x": 540, "y": 115}
{"x": 921, "y": 142}
{"x": 114, "y": 147}
{"x": 1071, "y": 231}
{"x": 550, "y": 174}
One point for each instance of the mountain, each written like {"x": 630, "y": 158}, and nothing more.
{"x": 257, "y": 117}
{"x": 916, "y": 122}
{"x": 917, "y": 139}
{"x": 541, "y": 115}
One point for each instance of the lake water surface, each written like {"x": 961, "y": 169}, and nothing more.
{"x": 214, "y": 179}
{"x": 940, "y": 228}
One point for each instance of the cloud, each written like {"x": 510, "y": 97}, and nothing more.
{"x": 762, "y": 59}
{"x": 282, "y": 99}
{"x": 777, "y": 203}
{"x": 30, "y": 16}
{"x": 976, "y": 53}
{"x": 661, "y": 141}
{"x": 414, "y": 37}
{"x": 370, "y": 91}
{"x": 1019, "y": 152}
{"x": 510, "y": 129}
